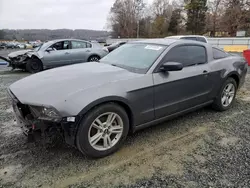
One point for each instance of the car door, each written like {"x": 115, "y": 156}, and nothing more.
{"x": 58, "y": 54}
{"x": 80, "y": 51}
{"x": 180, "y": 90}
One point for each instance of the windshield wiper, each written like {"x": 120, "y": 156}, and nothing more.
{"x": 118, "y": 65}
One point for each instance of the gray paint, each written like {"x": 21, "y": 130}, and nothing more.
{"x": 73, "y": 90}
{"x": 17, "y": 53}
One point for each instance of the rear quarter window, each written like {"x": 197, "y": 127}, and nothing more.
{"x": 219, "y": 54}
{"x": 89, "y": 45}
{"x": 201, "y": 39}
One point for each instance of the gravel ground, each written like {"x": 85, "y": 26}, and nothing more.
{"x": 201, "y": 149}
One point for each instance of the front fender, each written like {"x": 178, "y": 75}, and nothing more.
{"x": 30, "y": 54}
{"x": 105, "y": 100}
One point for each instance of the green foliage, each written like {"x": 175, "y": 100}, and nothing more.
{"x": 175, "y": 21}
{"x": 159, "y": 27}
{"x": 196, "y": 16}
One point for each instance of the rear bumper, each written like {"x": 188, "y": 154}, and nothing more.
{"x": 243, "y": 76}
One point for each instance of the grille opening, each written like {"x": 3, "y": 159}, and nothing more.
{"x": 24, "y": 109}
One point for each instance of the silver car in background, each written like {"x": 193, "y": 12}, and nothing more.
{"x": 56, "y": 53}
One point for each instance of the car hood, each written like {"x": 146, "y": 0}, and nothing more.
{"x": 56, "y": 85}
{"x": 17, "y": 53}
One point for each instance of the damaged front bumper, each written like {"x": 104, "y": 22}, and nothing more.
{"x": 6, "y": 59}
{"x": 15, "y": 62}
{"x": 43, "y": 131}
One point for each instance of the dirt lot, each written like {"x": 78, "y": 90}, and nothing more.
{"x": 201, "y": 149}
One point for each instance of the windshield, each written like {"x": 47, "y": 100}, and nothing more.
{"x": 37, "y": 48}
{"x": 44, "y": 45}
{"x": 115, "y": 44}
{"x": 135, "y": 56}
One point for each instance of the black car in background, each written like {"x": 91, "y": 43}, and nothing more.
{"x": 11, "y": 45}
{"x": 114, "y": 46}
{"x": 2, "y": 45}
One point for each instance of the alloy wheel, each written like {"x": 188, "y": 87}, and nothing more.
{"x": 94, "y": 59}
{"x": 228, "y": 95}
{"x": 34, "y": 65}
{"x": 105, "y": 131}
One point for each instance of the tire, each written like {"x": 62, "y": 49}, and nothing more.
{"x": 85, "y": 131}
{"x": 94, "y": 58}
{"x": 34, "y": 65}
{"x": 222, "y": 104}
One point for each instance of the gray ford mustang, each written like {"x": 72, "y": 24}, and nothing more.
{"x": 56, "y": 53}
{"x": 93, "y": 106}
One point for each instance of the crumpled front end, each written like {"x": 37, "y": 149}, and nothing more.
{"x": 18, "y": 61}
{"x": 40, "y": 128}
{"x": 6, "y": 59}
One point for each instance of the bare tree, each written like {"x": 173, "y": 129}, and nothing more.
{"x": 236, "y": 16}
{"x": 161, "y": 7}
{"x": 162, "y": 12}
{"x": 125, "y": 16}
{"x": 215, "y": 12}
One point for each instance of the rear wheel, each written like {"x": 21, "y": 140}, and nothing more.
{"x": 226, "y": 96}
{"x": 34, "y": 65}
{"x": 102, "y": 130}
{"x": 94, "y": 58}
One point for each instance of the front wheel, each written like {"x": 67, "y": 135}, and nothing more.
{"x": 34, "y": 65}
{"x": 102, "y": 130}
{"x": 226, "y": 96}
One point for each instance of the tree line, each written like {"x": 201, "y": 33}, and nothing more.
{"x": 47, "y": 34}
{"x": 135, "y": 18}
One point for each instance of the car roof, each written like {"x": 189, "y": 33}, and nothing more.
{"x": 59, "y": 40}
{"x": 167, "y": 41}
{"x": 157, "y": 41}
{"x": 181, "y": 36}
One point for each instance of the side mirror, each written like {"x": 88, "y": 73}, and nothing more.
{"x": 49, "y": 49}
{"x": 171, "y": 66}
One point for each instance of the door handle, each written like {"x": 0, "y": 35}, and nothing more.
{"x": 88, "y": 51}
{"x": 205, "y": 72}
{"x": 66, "y": 53}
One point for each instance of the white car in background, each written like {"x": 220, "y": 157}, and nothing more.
{"x": 189, "y": 37}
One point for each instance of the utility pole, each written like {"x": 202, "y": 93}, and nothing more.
{"x": 138, "y": 28}
{"x": 139, "y": 7}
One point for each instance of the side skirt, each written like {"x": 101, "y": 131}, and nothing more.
{"x": 160, "y": 120}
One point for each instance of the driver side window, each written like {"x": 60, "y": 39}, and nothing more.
{"x": 63, "y": 45}
{"x": 188, "y": 55}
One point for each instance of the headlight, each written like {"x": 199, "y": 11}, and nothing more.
{"x": 46, "y": 113}
{"x": 22, "y": 57}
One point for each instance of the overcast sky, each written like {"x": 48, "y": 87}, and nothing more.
{"x": 54, "y": 14}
